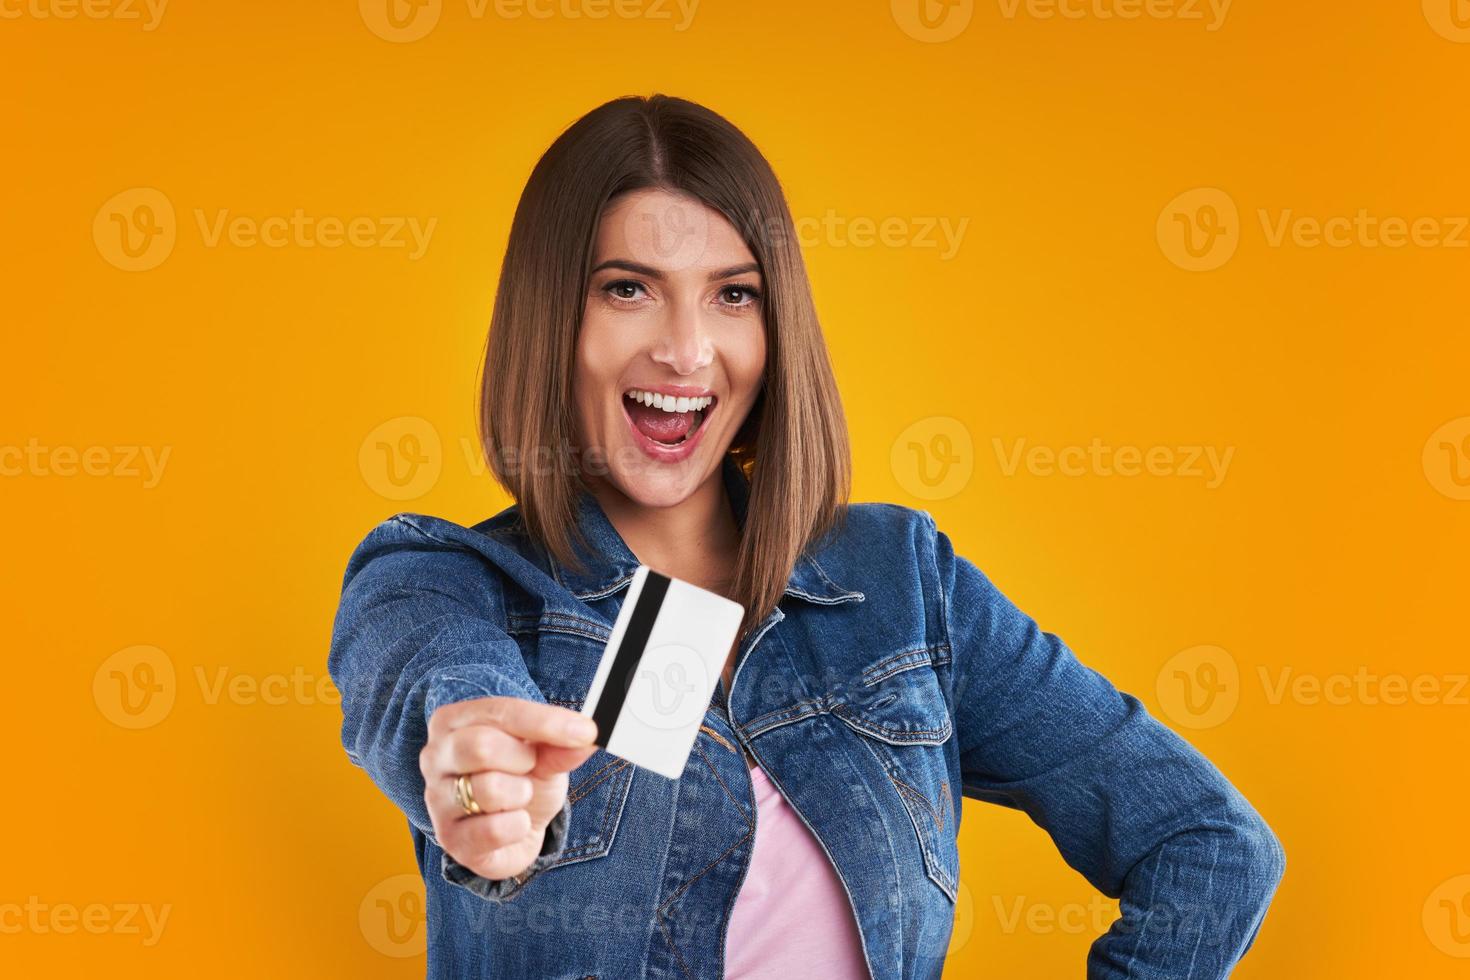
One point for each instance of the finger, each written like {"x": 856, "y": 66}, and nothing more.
{"x": 493, "y": 792}
{"x": 533, "y": 721}
{"x": 497, "y": 864}
{"x": 503, "y": 862}
{"x": 487, "y": 832}
{"x": 482, "y": 747}
{"x": 552, "y": 760}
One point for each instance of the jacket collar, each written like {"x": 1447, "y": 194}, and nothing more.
{"x": 612, "y": 564}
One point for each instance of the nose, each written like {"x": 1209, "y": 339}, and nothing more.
{"x": 683, "y": 343}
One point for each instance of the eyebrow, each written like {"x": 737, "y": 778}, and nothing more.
{"x": 647, "y": 270}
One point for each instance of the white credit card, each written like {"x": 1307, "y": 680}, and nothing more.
{"x": 659, "y": 670}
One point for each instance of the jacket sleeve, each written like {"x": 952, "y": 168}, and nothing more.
{"x": 1129, "y": 804}
{"x": 415, "y": 630}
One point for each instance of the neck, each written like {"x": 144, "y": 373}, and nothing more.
{"x": 696, "y": 540}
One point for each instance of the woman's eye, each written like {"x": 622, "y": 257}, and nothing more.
{"x": 624, "y": 289}
{"x": 739, "y": 295}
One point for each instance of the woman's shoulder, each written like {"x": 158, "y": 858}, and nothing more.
{"x": 874, "y": 528}
{"x": 423, "y": 548}
{"x": 889, "y": 515}
{"x": 878, "y": 543}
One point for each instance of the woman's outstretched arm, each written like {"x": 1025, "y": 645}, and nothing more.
{"x": 1139, "y": 812}
{"x": 416, "y": 632}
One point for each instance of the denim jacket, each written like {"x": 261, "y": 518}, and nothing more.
{"x": 891, "y": 680}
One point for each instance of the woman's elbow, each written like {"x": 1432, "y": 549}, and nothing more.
{"x": 1261, "y": 857}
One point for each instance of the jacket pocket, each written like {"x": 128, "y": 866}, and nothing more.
{"x": 597, "y": 791}
{"x": 900, "y": 711}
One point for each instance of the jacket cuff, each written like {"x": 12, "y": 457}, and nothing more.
{"x": 500, "y": 889}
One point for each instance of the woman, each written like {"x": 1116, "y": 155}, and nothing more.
{"x": 656, "y": 390}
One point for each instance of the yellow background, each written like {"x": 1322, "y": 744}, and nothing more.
{"x": 1334, "y": 545}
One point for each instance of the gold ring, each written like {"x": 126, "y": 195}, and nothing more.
{"x": 465, "y": 795}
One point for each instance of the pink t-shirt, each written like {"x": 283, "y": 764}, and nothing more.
{"x": 792, "y": 917}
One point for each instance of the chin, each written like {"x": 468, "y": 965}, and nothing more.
{"x": 653, "y": 489}
{"x": 653, "y": 484}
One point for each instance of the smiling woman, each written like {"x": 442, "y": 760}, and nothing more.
{"x": 653, "y": 251}
{"x": 654, "y": 323}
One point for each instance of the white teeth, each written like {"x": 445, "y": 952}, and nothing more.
{"x": 669, "y": 403}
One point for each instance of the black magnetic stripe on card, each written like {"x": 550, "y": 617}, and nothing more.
{"x": 630, "y": 651}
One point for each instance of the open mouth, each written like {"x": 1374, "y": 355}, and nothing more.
{"x": 665, "y": 419}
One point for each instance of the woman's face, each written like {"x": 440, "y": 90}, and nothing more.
{"x": 674, "y": 309}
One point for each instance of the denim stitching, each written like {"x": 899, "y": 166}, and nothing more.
{"x": 607, "y": 591}
{"x": 897, "y": 656}
{"x": 940, "y": 598}
{"x": 535, "y": 627}
{"x": 604, "y": 836}
{"x": 905, "y": 735}
{"x": 800, "y": 711}
{"x": 933, "y": 863}
{"x": 717, "y": 737}
{"x": 593, "y": 779}
{"x": 535, "y": 619}
{"x": 750, "y": 829}
{"x": 875, "y": 673}
{"x": 846, "y": 592}
{"x": 871, "y": 675}
{"x": 938, "y": 821}
{"x": 675, "y": 949}
{"x": 749, "y": 832}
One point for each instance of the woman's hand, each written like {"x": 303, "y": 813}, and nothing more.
{"x": 518, "y": 754}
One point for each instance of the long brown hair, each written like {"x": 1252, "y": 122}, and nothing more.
{"x": 793, "y": 446}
